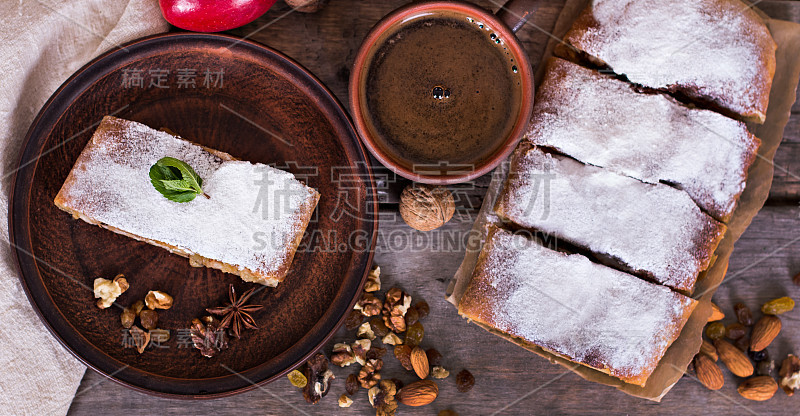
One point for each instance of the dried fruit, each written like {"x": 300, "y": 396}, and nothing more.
{"x": 297, "y": 379}
{"x": 796, "y": 279}
{"x": 447, "y": 412}
{"x": 382, "y": 398}
{"x": 375, "y": 352}
{"x": 403, "y": 354}
{"x": 708, "y": 373}
{"x": 734, "y": 358}
{"x": 765, "y": 330}
{"x": 414, "y": 334}
{"x": 735, "y": 331}
{"x": 715, "y": 331}
{"x": 236, "y": 314}
{"x": 351, "y": 385}
{"x": 765, "y": 367}
{"x": 419, "y": 362}
{"x": 373, "y": 283}
{"x": 108, "y": 291}
{"x": 368, "y": 305}
{"x": 127, "y": 317}
{"x": 156, "y": 299}
{"x": 353, "y": 320}
{"x": 365, "y": 331}
{"x": 464, "y": 381}
{"x": 149, "y": 319}
{"x": 345, "y": 401}
{"x": 140, "y": 338}
{"x": 743, "y": 314}
{"x": 758, "y": 388}
{"x": 319, "y": 378}
{"x": 743, "y": 344}
{"x": 778, "y": 306}
{"x": 422, "y": 309}
{"x": 207, "y": 336}
{"x": 138, "y": 306}
{"x": 397, "y": 383}
{"x": 379, "y": 327}
{"x": 758, "y": 355}
{"x": 434, "y": 356}
{"x": 790, "y": 374}
{"x": 418, "y": 393}
{"x": 425, "y": 207}
{"x": 709, "y": 349}
{"x": 716, "y": 313}
{"x": 342, "y": 355}
{"x": 439, "y": 372}
{"x": 412, "y": 316}
{"x": 392, "y": 339}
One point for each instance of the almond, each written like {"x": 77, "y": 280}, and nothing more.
{"x": 765, "y": 330}
{"x": 758, "y": 388}
{"x": 708, "y": 349}
{"x": 418, "y": 393}
{"x": 708, "y": 372}
{"x": 419, "y": 361}
{"x": 716, "y": 313}
{"x": 734, "y": 358}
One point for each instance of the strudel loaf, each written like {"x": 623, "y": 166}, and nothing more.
{"x": 109, "y": 186}
{"x": 717, "y": 53}
{"x": 569, "y": 306}
{"x": 604, "y": 122}
{"x": 652, "y": 230}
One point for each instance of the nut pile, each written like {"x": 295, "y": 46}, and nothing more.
{"x": 392, "y": 321}
{"x": 146, "y": 312}
{"x": 742, "y": 347}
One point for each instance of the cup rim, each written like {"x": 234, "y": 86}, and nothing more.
{"x": 516, "y": 49}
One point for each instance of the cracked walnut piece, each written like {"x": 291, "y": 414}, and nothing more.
{"x": 108, "y": 291}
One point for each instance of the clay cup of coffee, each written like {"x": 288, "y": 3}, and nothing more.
{"x": 441, "y": 92}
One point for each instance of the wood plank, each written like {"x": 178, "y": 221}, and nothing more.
{"x": 761, "y": 268}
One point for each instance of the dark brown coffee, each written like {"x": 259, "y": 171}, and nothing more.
{"x": 442, "y": 89}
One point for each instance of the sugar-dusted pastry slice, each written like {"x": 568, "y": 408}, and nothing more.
{"x": 602, "y": 121}
{"x": 652, "y": 230}
{"x": 251, "y": 224}
{"x": 715, "y": 52}
{"x": 564, "y": 303}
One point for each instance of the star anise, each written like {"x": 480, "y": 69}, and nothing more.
{"x": 236, "y": 314}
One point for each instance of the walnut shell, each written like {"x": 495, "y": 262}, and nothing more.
{"x": 424, "y": 207}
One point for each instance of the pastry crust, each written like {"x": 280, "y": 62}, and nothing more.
{"x": 88, "y": 194}
{"x": 716, "y": 53}
{"x": 605, "y": 122}
{"x": 565, "y": 304}
{"x": 651, "y": 230}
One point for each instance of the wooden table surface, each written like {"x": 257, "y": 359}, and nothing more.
{"x": 509, "y": 380}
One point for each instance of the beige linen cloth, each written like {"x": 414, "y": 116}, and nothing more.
{"x": 42, "y": 42}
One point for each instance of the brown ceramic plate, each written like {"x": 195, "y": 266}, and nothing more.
{"x": 235, "y": 96}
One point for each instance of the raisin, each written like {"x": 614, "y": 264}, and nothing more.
{"x": 422, "y": 309}
{"x": 743, "y": 343}
{"x": 297, "y": 379}
{"x": 778, "y": 306}
{"x": 353, "y": 320}
{"x": 398, "y": 384}
{"x": 434, "y": 357}
{"x": 403, "y": 354}
{"x": 414, "y": 335}
{"x": 735, "y": 331}
{"x": 447, "y": 412}
{"x": 765, "y": 367}
{"x": 796, "y": 279}
{"x": 758, "y": 355}
{"x": 715, "y": 330}
{"x": 375, "y": 352}
{"x": 351, "y": 385}
{"x": 379, "y": 328}
{"x": 464, "y": 381}
{"x": 412, "y": 316}
{"x": 743, "y": 314}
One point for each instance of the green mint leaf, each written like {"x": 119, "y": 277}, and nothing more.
{"x": 176, "y": 180}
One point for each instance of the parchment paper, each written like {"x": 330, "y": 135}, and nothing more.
{"x": 759, "y": 179}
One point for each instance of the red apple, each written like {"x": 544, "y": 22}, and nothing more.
{"x": 213, "y": 15}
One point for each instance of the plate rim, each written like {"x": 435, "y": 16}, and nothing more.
{"x": 334, "y": 107}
